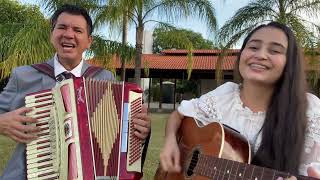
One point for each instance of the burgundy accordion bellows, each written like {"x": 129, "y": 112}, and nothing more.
{"x": 86, "y": 131}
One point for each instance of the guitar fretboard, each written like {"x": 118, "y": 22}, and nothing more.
{"x": 217, "y": 168}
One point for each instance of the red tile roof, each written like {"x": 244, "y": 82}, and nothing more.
{"x": 170, "y": 60}
{"x": 198, "y": 51}
{"x": 154, "y": 61}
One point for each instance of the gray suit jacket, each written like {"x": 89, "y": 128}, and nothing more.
{"x": 25, "y": 80}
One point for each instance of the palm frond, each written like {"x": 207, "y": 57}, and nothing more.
{"x": 104, "y": 50}
{"x": 30, "y": 45}
{"x": 310, "y": 8}
{"x": 173, "y": 10}
{"x": 251, "y": 15}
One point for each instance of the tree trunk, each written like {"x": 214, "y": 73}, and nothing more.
{"x": 139, "y": 38}
{"x": 124, "y": 42}
{"x": 219, "y": 71}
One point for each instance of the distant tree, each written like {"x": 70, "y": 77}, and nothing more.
{"x": 14, "y": 13}
{"x": 24, "y": 36}
{"x": 170, "y": 37}
{"x": 288, "y": 12}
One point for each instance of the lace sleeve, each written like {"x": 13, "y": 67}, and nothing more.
{"x": 207, "y": 110}
{"x": 311, "y": 152}
{"x": 203, "y": 109}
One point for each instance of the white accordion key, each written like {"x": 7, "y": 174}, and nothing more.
{"x": 39, "y": 159}
{"x": 40, "y": 140}
{"x": 36, "y": 147}
{"x": 40, "y": 165}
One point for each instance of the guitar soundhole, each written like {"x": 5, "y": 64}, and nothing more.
{"x": 193, "y": 162}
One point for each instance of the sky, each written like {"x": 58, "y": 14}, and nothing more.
{"x": 224, "y": 10}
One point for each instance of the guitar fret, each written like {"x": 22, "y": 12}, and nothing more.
{"x": 217, "y": 168}
{"x": 199, "y": 167}
{"x": 241, "y": 169}
{"x": 281, "y": 174}
{"x": 234, "y": 170}
{"x": 256, "y": 173}
{"x": 228, "y": 168}
{"x": 206, "y": 170}
{"x": 211, "y": 165}
{"x": 268, "y": 174}
{"x": 248, "y": 172}
{"x": 220, "y": 169}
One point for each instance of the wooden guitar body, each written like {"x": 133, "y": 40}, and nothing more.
{"x": 214, "y": 140}
{"x": 216, "y": 152}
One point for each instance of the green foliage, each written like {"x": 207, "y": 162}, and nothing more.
{"x": 12, "y": 12}
{"x": 166, "y": 37}
{"x": 104, "y": 51}
{"x": 155, "y": 92}
{"x": 263, "y": 11}
{"x": 24, "y": 36}
{"x": 139, "y": 13}
{"x": 158, "y": 124}
{"x": 187, "y": 86}
{"x": 7, "y": 147}
{"x": 182, "y": 87}
{"x": 169, "y": 37}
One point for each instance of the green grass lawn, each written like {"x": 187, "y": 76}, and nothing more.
{"x": 6, "y": 149}
{"x": 152, "y": 160}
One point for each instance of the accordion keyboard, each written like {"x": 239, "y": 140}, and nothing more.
{"x": 41, "y": 159}
{"x": 86, "y": 133}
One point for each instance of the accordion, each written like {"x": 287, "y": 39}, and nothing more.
{"x": 86, "y": 131}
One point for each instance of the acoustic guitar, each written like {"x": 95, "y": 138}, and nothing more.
{"x": 216, "y": 152}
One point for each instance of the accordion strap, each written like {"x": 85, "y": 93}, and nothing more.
{"x": 44, "y": 68}
{"x": 48, "y": 70}
{"x": 91, "y": 71}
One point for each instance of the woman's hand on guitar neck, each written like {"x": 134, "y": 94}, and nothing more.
{"x": 312, "y": 172}
{"x": 170, "y": 155}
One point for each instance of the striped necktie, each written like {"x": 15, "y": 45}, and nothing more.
{"x": 64, "y": 75}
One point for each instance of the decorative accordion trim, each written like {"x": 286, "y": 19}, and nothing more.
{"x": 86, "y": 131}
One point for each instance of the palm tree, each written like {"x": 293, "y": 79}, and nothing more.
{"x": 115, "y": 14}
{"x": 289, "y": 12}
{"x": 140, "y": 12}
{"x": 23, "y": 36}
{"x": 121, "y": 13}
{"x": 169, "y": 9}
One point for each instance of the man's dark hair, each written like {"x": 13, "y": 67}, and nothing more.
{"x": 74, "y": 10}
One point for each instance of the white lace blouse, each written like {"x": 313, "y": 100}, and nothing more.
{"x": 224, "y": 105}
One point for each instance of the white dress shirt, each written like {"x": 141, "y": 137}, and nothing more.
{"x": 58, "y": 68}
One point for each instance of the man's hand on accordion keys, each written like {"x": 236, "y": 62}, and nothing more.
{"x": 13, "y": 125}
{"x": 142, "y": 123}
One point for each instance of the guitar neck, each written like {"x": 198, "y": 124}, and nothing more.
{"x": 217, "y": 168}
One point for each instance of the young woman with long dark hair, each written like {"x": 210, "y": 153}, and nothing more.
{"x": 269, "y": 106}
